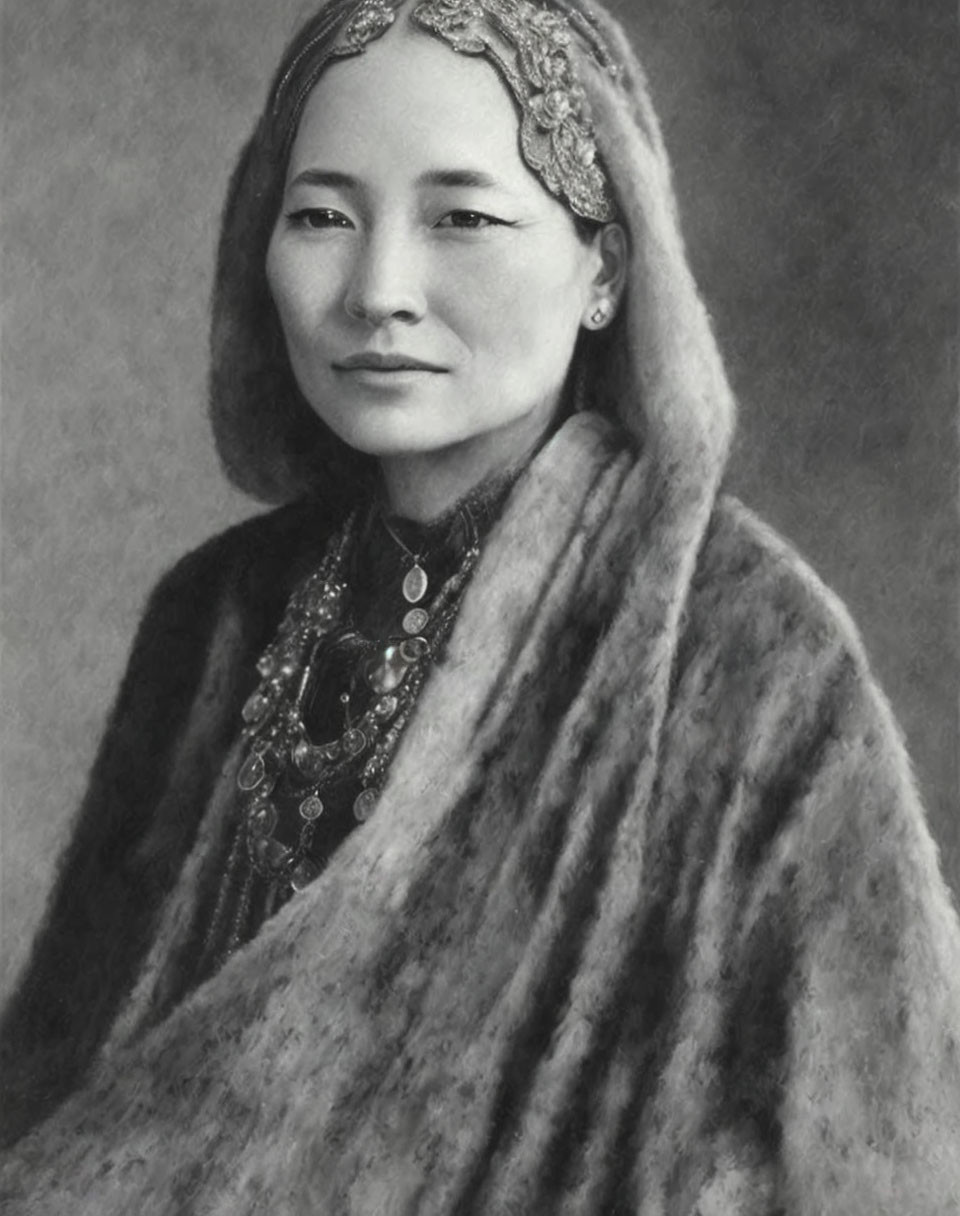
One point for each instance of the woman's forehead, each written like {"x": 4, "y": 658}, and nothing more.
{"x": 410, "y": 100}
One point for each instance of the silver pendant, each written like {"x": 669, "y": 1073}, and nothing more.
{"x": 311, "y": 808}
{"x": 354, "y": 741}
{"x": 252, "y": 772}
{"x": 310, "y": 760}
{"x": 415, "y": 620}
{"x": 262, "y": 818}
{"x": 304, "y": 872}
{"x": 415, "y": 584}
{"x": 363, "y": 805}
{"x": 254, "y": 708}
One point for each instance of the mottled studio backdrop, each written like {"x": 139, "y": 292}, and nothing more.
{"x": 812, "y": 147}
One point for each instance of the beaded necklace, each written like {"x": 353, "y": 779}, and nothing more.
{"x": 300, "y": 777}
{"x": 281, "y": 760}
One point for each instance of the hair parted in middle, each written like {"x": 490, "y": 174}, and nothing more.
{"x": 271, "y": 442}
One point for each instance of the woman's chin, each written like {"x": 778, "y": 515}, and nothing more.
{"x": 449, "y": 434}
{"x": 391, "y": 423}
{"x": 397, "y": 437}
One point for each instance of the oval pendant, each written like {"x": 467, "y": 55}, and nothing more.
{"x": 415, "y": 584}
{"x": 262, "y": 818}
{"x": 354, "y": 741}
{"x": 309, "y": 760}
{"x": 311, "y": 808}
{"x": 254, "y": 708}
{"x": 364, "y": 804}
{"x": 251, "y": 772}
{"x": 415, "y": 620}
{"x": 304, "y": 872}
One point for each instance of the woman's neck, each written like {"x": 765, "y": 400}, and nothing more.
{"x": 422, "y": 486}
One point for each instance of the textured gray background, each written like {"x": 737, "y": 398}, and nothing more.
{"x": 812, "y": 146}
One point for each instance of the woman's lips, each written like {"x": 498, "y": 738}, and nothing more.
{"x": 369, "y": 361}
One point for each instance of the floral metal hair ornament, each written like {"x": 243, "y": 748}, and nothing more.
{"x": 530, "y": 47}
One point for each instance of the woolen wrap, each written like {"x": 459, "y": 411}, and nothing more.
{"x": 647, "y": 920}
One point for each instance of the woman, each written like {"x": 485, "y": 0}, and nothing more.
{"x": 510, "y": 823}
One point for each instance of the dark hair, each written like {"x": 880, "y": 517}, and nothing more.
{"x": 271, "y": 442}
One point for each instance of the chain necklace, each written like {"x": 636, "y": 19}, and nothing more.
{"x": 281, "y": 761}
{"x": 415, "y": 581}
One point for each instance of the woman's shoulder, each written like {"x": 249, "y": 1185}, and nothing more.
{"x": 771, "y": 655}
{"x": 240, "y": 578}
{"x": 266, "y": 548}
{"x": 751, "y": 583}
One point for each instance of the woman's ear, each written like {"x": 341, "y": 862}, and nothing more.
{"x": 606, "y": 289}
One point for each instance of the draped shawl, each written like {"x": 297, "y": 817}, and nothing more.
{"x": 647, "y": 920}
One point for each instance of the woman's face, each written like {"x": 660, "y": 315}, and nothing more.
{"x": 429, "y": 288}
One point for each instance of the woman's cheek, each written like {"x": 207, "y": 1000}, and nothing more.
{"x": 526, "y": 288}
{"x": 494, "y": 304}
{"x": 302, "y": 281}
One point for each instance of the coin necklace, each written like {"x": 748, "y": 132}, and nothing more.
{"x": 277, "y": 747}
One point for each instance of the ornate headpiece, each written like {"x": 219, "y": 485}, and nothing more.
{"x": 530, "y": 47}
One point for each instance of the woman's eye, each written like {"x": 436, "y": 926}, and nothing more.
{"x": 317, "y": 218}
{"x": 469, "y": 219}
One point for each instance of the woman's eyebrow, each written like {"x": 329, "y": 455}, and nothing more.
{"x": 457, "y": 177}
{"x": 450, "y": 178}
{"x": 325, "y": 177}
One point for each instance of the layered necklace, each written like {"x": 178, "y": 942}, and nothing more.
{"x": 283, "y": 766}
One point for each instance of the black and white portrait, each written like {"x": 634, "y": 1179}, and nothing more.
{"x": 479, "y": 594}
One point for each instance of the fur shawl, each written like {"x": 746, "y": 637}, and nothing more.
{"x": 648, "y": 919}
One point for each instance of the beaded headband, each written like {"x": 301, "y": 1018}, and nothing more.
{"x": 529, "y": 46}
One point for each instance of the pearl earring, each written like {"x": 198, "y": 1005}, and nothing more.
{"x": 601, "y": 314}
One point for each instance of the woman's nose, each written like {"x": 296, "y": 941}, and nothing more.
{"x": 386, "y": 283}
